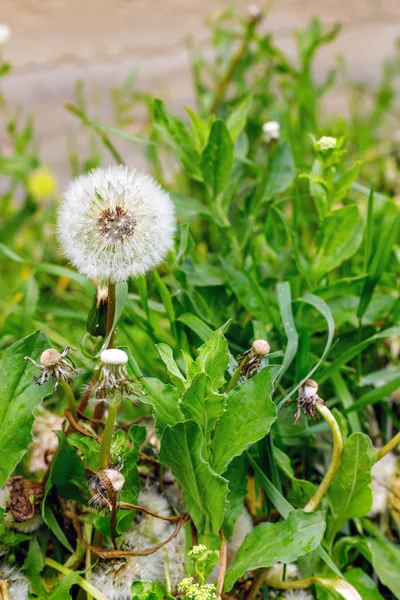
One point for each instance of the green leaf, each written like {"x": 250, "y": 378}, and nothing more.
{"x": 217, "y": 159}
{"x": 302, "y": 490}
{"x": 343, "y": 184}
{"x": 236, "y": 474}
{"x": 279, "y": 174}
{"x": 167, "y": 356}
{"x": 378, "y": 264}
{"x": 346, "y": 399}
{"x": 187, "y": 208}
{"x": 204, "y": 491}
{"x": 364, "y": 584}
{"x": 66, "y": 471}
{"x": 19, "y": 396}
{"x": 339, "y": 237}
{"x": 203, "y": 405}
{"x": 385, "y": 559}
{"x": 247, "y": 291}
{"x": 285, "y": 306}
{"x": 201, "y": 129}
{"x": 236, "y": 122}
{"x": 249, "y": 415}
{"x": 89, "y": 448}
{"x": 270, "y": 543}
{"x": 213, "y": 357}
{"x": 197, "y": 325}
{"x": 350, "y": 494}
{"x": 164, "y": 399}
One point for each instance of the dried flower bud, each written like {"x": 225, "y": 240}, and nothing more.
{"x": 261, "y": 347}
{"x": 116, "y": 478}
{"x": 310, "y": 388}
{"x": 54, "y": 364}
{"x": 106, "y": 484}
{"x": 50, "y": 358}
{"x": 254, "y": 12}
{"x": 114, "y": 381}
{"x": 307, "y": 400}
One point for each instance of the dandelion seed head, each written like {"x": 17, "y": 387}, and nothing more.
{"x": 243, "y": 526}
{"x": 113, "y": 356}
{"x": 382, "y": 473}
{"x": 158, "y": 504}
{"x": 115, "y": 223}
{"x": 297, "y": 595}
{"x": 17, "y": 583}
{"x": 277, "y": 570}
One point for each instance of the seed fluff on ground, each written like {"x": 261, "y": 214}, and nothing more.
{"x": 115, "y": 223}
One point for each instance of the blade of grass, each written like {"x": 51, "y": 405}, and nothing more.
{"x": 325, "y": 311}
{"x": 285, "y": 306}
{"x": 346, "y": 399}
{"x": 369, "y": 230}
{"x": 375, "y": 396}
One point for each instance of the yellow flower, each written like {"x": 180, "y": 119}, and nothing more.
{"x": 42, "y": 183}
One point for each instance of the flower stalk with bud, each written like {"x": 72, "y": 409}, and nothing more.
{"x": 249, "y": 362}
{"x": 312, "y": 405}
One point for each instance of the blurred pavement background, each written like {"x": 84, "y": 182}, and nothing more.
{"x": 56, "y": 42}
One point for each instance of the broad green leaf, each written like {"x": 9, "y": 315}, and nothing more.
{"x": 339, "y": 237}
{"x": 350, "y": 494}
{"x": 236, "y": 121}
{"x": 201, "y": 129}
{"x": 342, "y": 185}
{"x": 89, "y": 447}
{"x": 346, "y": 399}
{"x": 318, "y": 188}
{"x": 385, "y": 559}
{"x": 187, "y": 208}
{"x": 19, "y": 396}
{"x": 164, "y": 399}
{"x": 167, "y": 356}
{"x": 248, "y": 417}
{"x": 213, "y": 357}
{"x": 236, "y": 474}
{"x": 280, "y": 172}
{"x": 204, "y": 491}
{"x": 203, "y": 405}
{"x": 165, "y": 298}
{"x": 364, "y": 584}
{"x": 217, "y": 159}
{"x": 270, "y": 543}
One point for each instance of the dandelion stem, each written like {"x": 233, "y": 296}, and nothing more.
{"x": 391, "y": 445}
{"x": 87, "y": 532}
{"x": 235, "y": 60}
{"x": 106, "y": 438}
{"x": 222, "y": 566}
{"x": 85, "y": 585}
{"x": 335, "y": 460}
{"x": 70, "y": 396}
{"x": 110, "y": 313}
{"x": 236, "y": 374}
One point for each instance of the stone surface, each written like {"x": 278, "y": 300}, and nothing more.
{"x": 56, "y": 42}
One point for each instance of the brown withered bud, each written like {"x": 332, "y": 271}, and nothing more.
{"x": 307, "y": 400}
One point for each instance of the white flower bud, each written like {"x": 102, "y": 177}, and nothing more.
{"x": 325, "y": 143}
{"x": 254, "y": 12}
{"x": 261, "y": 347}
{"x": 310, "y": 388}
{"x": 271, "y": 131}
{"x": 5, "y": 34}
{"x": 113, "y": 356}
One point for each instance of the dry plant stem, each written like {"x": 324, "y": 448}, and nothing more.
{"x": 222, "y": 566}
{"x": 257, "y": 582}
{"x": 128, "y": 506}
{"x": 70, "y": 396}
{"x": 77, "y": 427}
{"x": 4, "y": 589}
{"x": 227, "y": 77}
{"x": 335, "y": 460}
{"x": 110, "y": 313}
{"x": 123, "y": 553}
{"x": 85, "y": 585}
{"x": 106, "y": 438}
{"x": 391, "y": 445}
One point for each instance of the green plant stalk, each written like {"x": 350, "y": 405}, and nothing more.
{"x": 236, "y": 374}
{"x": 391, "y": 445}
{"x": 70, "y": 396}
{"x": 87, "y": 532}
{"x": 85, "y": 585}
{"x": 335, "y": 460}
{"x": 110, "y": 313}
{"x": 227, "y": 77}
{"x": 106, "y": 438}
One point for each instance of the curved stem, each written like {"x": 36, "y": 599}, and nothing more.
{"x": 70, "y": 396}
{"x": 391, "y": 445}
{"x": 222, "y": 566}
{"x": 85, "y": 585}
{"x": 106, "y": 438}
{"x": 335, "y": 460}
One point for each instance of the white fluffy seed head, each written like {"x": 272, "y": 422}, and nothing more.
{"x": 115, "y": 223}
{"x": 271, "y": 131}
{"x": 50, "y": 358}
{"x": 297, "y": 595}
{"x": 17, "y": 583}
{"x": 243, "y": 526}
{"x": 113, "y": 356}
{"x": 382, "y": 473}
{"x": 278, "y": 569}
